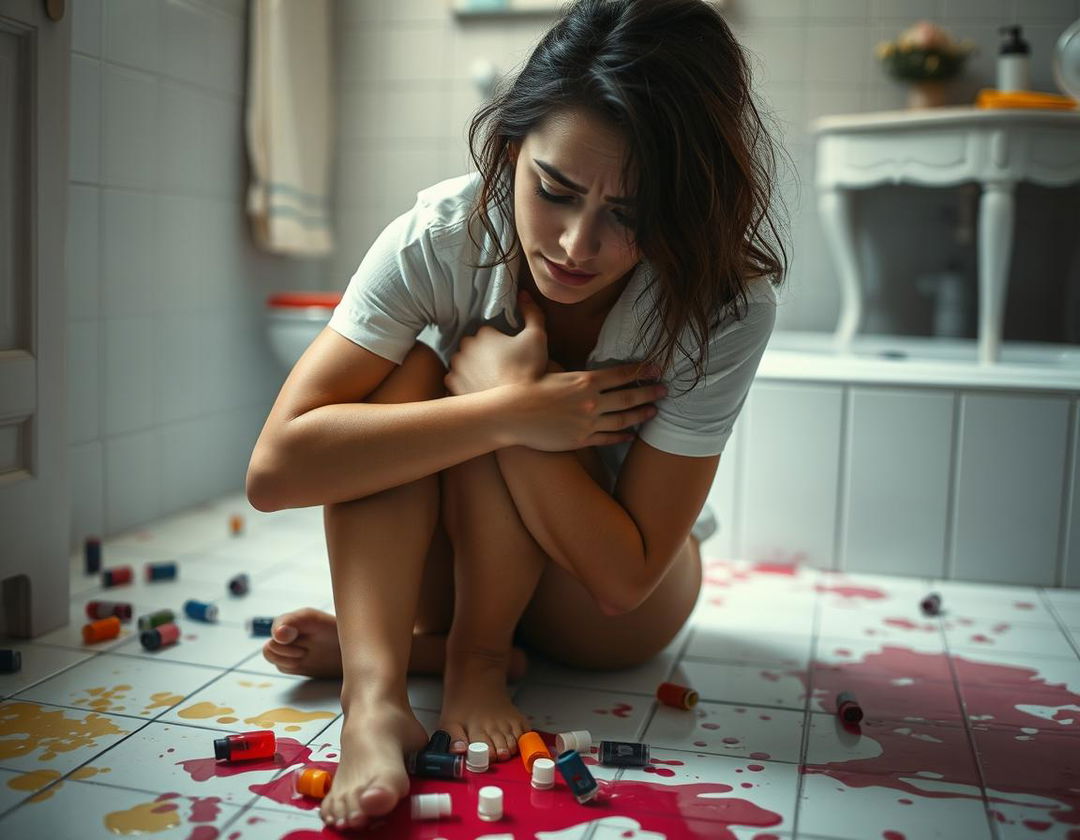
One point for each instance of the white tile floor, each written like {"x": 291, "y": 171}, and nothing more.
{"x": 972, "y": 727}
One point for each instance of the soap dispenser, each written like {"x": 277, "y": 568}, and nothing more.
{"x": 1013, "y": 69}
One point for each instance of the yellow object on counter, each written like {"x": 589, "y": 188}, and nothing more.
{"x": 990, "y": 98}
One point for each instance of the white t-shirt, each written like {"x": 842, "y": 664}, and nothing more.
{"x": 418, "y": 282}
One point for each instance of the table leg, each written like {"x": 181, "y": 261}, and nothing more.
{"x": 834, "y": 207}
{"x": 996, "y": 212}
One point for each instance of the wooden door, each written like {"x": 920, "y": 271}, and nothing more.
{"x": 34, "y": 501}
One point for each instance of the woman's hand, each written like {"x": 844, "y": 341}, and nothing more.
{"x": 490, "y": 358}
{"x": 567, "y": 410}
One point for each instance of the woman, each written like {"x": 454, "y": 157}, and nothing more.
{"x": 525, "y": 470}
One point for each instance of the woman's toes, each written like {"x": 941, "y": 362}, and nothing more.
{"x": 272, "y": 648}
{"x": 500, "y": 747}
{"x": 376, "y": 801}
{"x": 282, "y": 632}
{"x": 459, "y": 743}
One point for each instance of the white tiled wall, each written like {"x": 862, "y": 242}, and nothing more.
{"x": 169, "y": 370}
{"x": 407, "y": 96}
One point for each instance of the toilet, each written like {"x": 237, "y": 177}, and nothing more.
{"x": 293, "y": 321}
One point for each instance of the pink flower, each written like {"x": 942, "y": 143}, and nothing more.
{"x": 925, "y": 35}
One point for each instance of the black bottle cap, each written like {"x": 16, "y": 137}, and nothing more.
{"x": 10, "y": 661}
{"x": 440, "y": 742}
{"x": 1015, "y": 44}
{"x": 221, "y": 748}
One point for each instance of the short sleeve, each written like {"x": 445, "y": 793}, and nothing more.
{"x": 699, "y": 422}
{"x": 392, "y": 295}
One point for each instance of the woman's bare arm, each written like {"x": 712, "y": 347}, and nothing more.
{"x": 322, "y": 445}
{"x": 619, "y": 547}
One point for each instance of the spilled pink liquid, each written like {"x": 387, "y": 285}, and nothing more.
{"x": 893, "y": 684}
{"x": 680, "y": 812}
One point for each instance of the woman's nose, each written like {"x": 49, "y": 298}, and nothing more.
{"x": 580, "y": 240}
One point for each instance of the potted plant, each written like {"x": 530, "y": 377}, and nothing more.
{"x": 926, "y": 56}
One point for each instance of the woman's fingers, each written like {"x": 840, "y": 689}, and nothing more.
{"x": 630, "y": 398}
{"x": 614, "y": 377}
{"x": 530, "y": 311}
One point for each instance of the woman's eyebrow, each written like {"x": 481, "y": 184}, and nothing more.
{"x": 570, "y": 185}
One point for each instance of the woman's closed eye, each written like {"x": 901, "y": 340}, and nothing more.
{"x": 554, "y": 198}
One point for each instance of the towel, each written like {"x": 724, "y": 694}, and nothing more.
{"x": 289, "y": 127}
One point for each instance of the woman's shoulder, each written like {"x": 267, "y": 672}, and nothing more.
{"x": 445, "y": 207}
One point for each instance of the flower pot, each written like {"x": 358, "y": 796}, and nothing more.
{"x": 928, "y": 94}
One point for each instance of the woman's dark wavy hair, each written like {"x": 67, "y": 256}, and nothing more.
{"x": 671, "y": 78}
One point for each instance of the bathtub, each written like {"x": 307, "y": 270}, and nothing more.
{"x": 904, "y": 455}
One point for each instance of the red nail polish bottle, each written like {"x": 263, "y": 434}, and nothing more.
{"x": 246, "y": 746}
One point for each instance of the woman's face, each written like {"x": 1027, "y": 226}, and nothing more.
{"x": 573, "y": 214}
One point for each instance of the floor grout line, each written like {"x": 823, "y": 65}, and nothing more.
{"x": 967, "y": 727}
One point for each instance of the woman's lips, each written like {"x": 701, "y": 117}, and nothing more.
{"x": 563, "y": 276}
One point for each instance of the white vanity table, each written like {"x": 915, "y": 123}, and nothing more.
{"x": 941, "y": 147}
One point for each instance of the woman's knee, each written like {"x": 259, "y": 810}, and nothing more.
{"x": 419, "y": 377}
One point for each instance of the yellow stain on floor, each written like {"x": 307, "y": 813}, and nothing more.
{"x": 145, "y": 818}
{"x": 162, "y": 699}
{"x": 102, "y": 699}
{"x": 249, "y": 684}
{"x": 270, "y": 717}
{"x": 49, "y": 731}
{"x": 87, "y": 772}
{"x": 37, "y": 779}
{"x": 204, "y": 710}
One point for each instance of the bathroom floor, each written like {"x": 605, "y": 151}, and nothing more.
{"x": 971, "y": 728}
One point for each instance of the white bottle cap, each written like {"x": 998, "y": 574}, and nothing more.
{"x": 579, "y": 741}
{"x": 211, "y": 612}
{"x": 489, "y": 806}
{"x": 478, "y": 758}
{"x": 543, "y": 777}
{"x": 430, "y": 806}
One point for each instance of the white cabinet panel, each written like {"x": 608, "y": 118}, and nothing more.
{"x": 723, "y": 498}
{"x": 788, "y": 489}
{"x": 1010, "y": 478}
{"x": 897, "y": 481}
{"x": 1071, "y": 549}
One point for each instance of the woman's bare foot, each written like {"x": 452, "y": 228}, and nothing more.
{"x": 476, "y": 706}
{"x": 305, "y": 642}
{"x": 371, "y": 776}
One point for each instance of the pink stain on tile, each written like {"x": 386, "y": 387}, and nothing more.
{"x": 981, "y": 639}
{"x": 1039, "y": 762}
{"x": 697, "y": 811}
{"x": 869, "y": 593}
{"x": 678, "y": 812}
{"x": 776, "y": 568}
{"x": 1024, "y": 605}
{"x": 621, "y": 710}
{"x": 1000, "y": 628}
{"x": 908, "y": 624}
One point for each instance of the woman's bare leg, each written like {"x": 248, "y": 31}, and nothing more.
{"x": 305, "y": 643}
{"x": 497, "y": 565}
{"x": 377, "y": 547}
